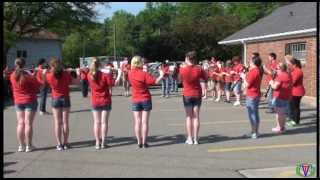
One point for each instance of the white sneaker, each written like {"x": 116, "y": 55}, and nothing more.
{"x": 29, "y": 148}
{"x": 41, "y": 113}
{"x": 189, "y": 141}
{"x": 97, "y": 147}
{"x": 254, "y": 136}
{"x": 59, "y": 147}
{"x": 217, "y": 100}
{"x": 21, "y": 148}
{"x": 195, "y": 142}
{"x": 237, "y": 103}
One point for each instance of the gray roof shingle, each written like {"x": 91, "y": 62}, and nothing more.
{"x": 280, "y": 21}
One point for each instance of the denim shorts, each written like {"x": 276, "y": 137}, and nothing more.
{"x": 237, "y": 87}
{"x": 61, "y": 102}
{"x": 142, "y": 106}
{"x": 27, "y": 107}
{"x": 227, "y": 86}
{"x": 106, "y": 107}
{"x": 191, "y": 101}
{"x": 279, "y": 103}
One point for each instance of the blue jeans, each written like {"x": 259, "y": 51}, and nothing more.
{"x": 84, "y": 87}
{"x": 43, "y": 98}
{"x": 174, "y": 85}
{"x": 253, "y": 110}
{"x": 142, "y": 106}
{"x": 166, "y": 86}
{"x": 269, "y": 98}
{"x": 27, "y": 107}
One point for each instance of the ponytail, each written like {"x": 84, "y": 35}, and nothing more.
{"x": 19, "y": 73}
{"x": 57, "y": 68}
{"x": 94, "y": 67}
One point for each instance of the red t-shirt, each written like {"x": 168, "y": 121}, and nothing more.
{"x": 60, "y": 87}
{"x": 273, "y": 66}
{"x": 100, "y": 94}
{"x": 191, "y": 76}
{"x": 238, "y": 68}
{"x": 39, "y": 73}
{"x": 227, "y": 79}
{"x": 26, "y": 92}
{"x": 165, "y": 69}
{"x": 285, "y": 88}
{"x": 254, "y": 81}
{"x": 140, "y": 81}
{"x": 83, "y": 73}
{"x": 297, "y": 82}
{"x": 212, "y": 70}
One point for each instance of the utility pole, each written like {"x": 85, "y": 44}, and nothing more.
{"x": 114, "y": 42}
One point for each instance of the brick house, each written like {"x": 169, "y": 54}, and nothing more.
{"x": 290, "y": 29}
{"x": 33, "y": 46}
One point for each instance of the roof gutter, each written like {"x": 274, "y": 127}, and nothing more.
{"x": 269, "y": 36}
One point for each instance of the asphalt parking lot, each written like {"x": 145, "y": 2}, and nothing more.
{"x": 222, "y": 152}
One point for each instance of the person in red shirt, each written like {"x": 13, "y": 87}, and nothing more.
{"x": 227, "y": 79}
{"x": 141, "y": 99}
{"x": 84, "y": 81}
{"x": 25, "y": 88}
{"x": 166, "y": 79}
{"x": 100, "y": 83}
{"x": 174, "y": 71}
{"x": 109, "y": 69}
{"x": 212, "y": 77}
{"x": 237, "y": 69}
{"x": 45, "y": 88}
{"x": 269, "y": 71}
{"x": 252, "y": 82}
{"x": 220, "y": 80}
{"x": 125, "y": 68}
{"x": 282, "y": 88}
{"x": 191, "y": 75}
{"x": 59, "y": 80}
{"x": 298, "y": 90}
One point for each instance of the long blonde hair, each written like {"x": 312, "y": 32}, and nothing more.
{"x": 94, "y": 68}
{"x": 136, "y": 62}
{"x": 19, "y": 73}
{"x": 57, "y": 68}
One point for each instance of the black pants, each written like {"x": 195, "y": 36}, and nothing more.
{"x": 84, "y": 88}
{"x": 295, "y": 108}
{"x": 43, "y": 98}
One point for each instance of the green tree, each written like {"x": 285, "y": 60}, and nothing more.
{"x": 21, "y": 18}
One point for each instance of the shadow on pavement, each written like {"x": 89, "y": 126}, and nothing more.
{"x": 298, "y": 130}
{"x": 82, "y": 110}
{"x": 312, "y": 116}
{"x": 7, "y": 153}
{"x": 309, "y": 109}
{"x": 5, "y": 164}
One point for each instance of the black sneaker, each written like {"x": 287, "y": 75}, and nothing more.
{"x": 145, "y": 145}
{"x": 66, "y": 146}
{"x": 139, "y": 145}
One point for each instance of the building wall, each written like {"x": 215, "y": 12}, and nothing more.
{"x": 36, "y": 49}
{"x": 278, "y": 47}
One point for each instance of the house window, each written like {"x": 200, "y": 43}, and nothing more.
{"x": 21, "y": 53}
{"x": 297, "y": 50}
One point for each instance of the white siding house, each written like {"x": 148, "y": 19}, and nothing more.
{"x": 43, "y": 45}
